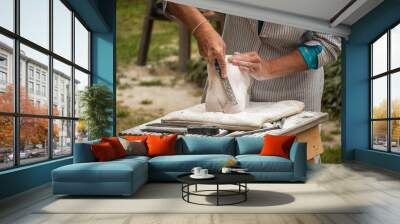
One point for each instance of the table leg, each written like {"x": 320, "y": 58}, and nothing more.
{"x": 188, "y": 190}
{"x": 195, "y": 188}
{"x": 217, "y": 194}
{"x": 245, "y": 193}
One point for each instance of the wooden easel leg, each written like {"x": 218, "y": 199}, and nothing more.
{"x": 145, "y": 41}
{"x": 184, "y": 47}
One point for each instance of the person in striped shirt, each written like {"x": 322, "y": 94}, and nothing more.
{"x": 286, "y": 63}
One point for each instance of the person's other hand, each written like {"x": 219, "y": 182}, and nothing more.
{"x": 211, "y": 45}
{"x": 251, "y": 63}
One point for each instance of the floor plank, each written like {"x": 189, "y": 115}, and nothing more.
{"x": 377, "y": 190}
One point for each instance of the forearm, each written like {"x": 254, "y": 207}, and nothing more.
{"x": 279, "y": 66}
{"x": 189, "y": 16}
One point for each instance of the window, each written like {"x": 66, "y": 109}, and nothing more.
{"x": 37, "y": 89}
{"x": 81, "y": 45}
{"x": 49, "y": 80}
{"x": 3, "y": 78}
{"x": 30, "y": 87}
{"x": 30, "y": 72}
{"x": 385, "y": 92}
{"x": 34, "y": 21}
{"x": 44, "y": 91}
{"x": 7, "y": 14}
{"x": 62, "y": 74}
{"x": 6, "y": 73}
{"x": 62, "y": 29}
{"x": 3, "y": 72}
{"x": 62, "y": 137}
{"x": 37, "y": 74}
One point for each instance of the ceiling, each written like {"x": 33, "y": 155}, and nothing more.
{"x": 328, "y": 16}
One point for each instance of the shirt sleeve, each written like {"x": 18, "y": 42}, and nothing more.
{"x": 320, "y": 49}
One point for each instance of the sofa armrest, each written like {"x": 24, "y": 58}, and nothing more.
{"x": 298, "y": 155}
{"x": 83, "y": 152}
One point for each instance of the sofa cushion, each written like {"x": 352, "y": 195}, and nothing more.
{"x": 112, "y": 171}
{"x": 195, "y": 145}
{"x": 249, "y": 145}
{"x": 257, "y": 163}
{"x": 185, "y": 163}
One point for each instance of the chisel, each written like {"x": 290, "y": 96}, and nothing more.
{"x": 226, "y": 85}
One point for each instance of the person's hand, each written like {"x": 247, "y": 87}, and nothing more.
{"x": 251, "y": 63}
{"x": 211, "y": 45}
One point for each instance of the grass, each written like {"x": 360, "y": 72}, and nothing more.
{"x": 128, "y": 118}
{"x": 130, "y": 16}
{"x": 326, "y": 137}
{"x": 332, "y": 154}
{"x": 154, "y": 82}
{"x": 123, "y": 86}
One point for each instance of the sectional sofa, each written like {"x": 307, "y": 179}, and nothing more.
{"x": 125, "y": 176}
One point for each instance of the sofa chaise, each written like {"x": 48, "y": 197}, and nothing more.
{"x": 125, "y": 176}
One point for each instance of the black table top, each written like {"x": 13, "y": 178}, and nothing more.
{"x": 220, "y": 178}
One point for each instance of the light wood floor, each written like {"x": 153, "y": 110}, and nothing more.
{"x": 379, "y": 189}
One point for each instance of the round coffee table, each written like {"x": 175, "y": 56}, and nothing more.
{"x": 238, "y": 179}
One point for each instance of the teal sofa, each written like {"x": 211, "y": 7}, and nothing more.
{"x": 125, "y": 176}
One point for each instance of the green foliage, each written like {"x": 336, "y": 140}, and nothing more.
{"x": 154, "y": 82}
{"x": 326, "y": 137}
{"x": 332, "y": 154}
{"x": 331, "y": 98}
{"x": 197, "y": 72}
{"x": 97, "y": 104}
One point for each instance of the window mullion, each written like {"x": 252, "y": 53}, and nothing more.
{"x": 50, "y": 81}
{"x": 73, "y": 82}
{"x": 16, "y": 70}
{"x": 389, "y": 101}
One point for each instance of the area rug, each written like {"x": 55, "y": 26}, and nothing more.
{"x": 166, "y": 198}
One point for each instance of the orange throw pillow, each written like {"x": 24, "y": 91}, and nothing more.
{"x": 116, "y": 145}
{"x": 135, "y": 137}
{"x": 103, "y": 152}
{"x": 277, "y": 145}
{"x": 161, "y": 145}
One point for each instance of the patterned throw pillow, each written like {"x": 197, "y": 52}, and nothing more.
{"x": 136, "y": 147}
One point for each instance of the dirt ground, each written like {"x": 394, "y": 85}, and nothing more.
{"x": 157, "y": 88}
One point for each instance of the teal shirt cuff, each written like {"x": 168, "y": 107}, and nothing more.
{"x": 310, "y": 55}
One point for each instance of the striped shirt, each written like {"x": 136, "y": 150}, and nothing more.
{"x": 274, "y": 40}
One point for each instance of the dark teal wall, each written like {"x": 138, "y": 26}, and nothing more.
{"x": 24, "y": 178}
{"x": 99, "y": 16}
{"x": 356, "y": 100}
{"x": 104, "y": 53}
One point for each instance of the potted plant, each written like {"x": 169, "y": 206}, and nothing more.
{"x": 96, "y": 102}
